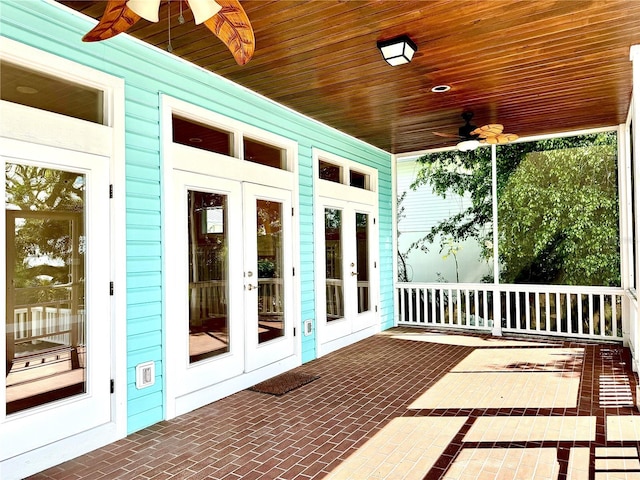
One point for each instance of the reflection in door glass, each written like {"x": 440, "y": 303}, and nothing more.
{"x": 362, "y": 251}
{"x": 269, "y": 236}
{"x": 45, "y": 316}
{"x": 208, "y": 275}
{"x": 333, "y": 263}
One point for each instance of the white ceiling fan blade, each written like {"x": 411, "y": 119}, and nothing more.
{"x": 203, "y": 10}
{"x": 147, "y": 9}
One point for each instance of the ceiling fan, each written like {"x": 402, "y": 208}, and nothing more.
{"x": 471, "y": 137}
{"x": 225, "y": 18}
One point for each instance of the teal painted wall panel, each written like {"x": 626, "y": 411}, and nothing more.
{"x": 138, "y": 187}
{"x": 146, "y": 340}
{"x": 138, "y": 326}
{"x": 137, "y": 265}
{"x": 145, "y": 311}
{"x": 143, "y": 295}
{"x": 140, "y": 421}
{"x": 143, "y": 233}
{"x": 147, "y": 73}
{"x": 144, "y": 403}
{"x": 145, "y": 354}
{"x": 145, "y": 279}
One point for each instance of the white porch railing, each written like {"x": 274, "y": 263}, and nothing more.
{"x": 52, "y": 322}
{"x": 584, "y": 312}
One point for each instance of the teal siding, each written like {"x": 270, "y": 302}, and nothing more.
{"x": 149, "y": 73}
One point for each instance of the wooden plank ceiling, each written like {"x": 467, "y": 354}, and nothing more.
{"x": 538, "y": 67}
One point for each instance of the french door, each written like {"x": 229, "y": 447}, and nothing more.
{"x": 57, "y": 333}
{"x": 268, "y": 271}
{"x": 347, "y": 255}
{"x": 230, "y": 278}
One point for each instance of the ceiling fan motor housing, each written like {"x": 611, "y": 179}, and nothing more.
{"x": 465, "y": 131}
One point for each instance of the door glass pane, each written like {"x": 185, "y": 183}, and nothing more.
{"x": 208, "y": 275}
{"x": 269, "y": 236}
{"x": 45, "y": 251}
{"x": 362, "y": 251}
{"x": 333, "y": 263}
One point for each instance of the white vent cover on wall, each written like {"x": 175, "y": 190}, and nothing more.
{"x": 145, "y": 374}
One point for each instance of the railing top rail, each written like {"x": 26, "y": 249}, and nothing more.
{"x": 506, "y": 287}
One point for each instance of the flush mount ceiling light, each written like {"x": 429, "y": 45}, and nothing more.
{"x": 398, "y": 50}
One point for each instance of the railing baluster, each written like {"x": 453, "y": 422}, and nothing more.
{"x": 558, "y": 314}
{"x": 433, "y": 305}
{"x": 485, "y": 309}
{"x": 614, "y": 315}
{"x": 411, "y": 304}
{"x": 527, "y": 307}
{"x": 579, "y": 308}
{"x": 476, "y": 313}
{"x": 459, "y": 308}
{"x": 603, "y": 329}
{"x": 591, "y": 322}
{"x": 537, "y": 303}
{"x": 467, "y": 309}
{"x": 569, "y": 319}
{"x": 547, "y": 312}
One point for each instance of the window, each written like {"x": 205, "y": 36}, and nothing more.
{"x": 38, "y": 90}
{"x": 346, "y": 172}
{"x": 330, "y": 172}
{"x": 358, "y": 180}
{"x": 204, "y": 137}
{"x": 264, "y": 154}
{"x": 225, "y": 140}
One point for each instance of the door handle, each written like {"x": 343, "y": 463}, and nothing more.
{"x": 353, "y": 274}
{"x": 251, "y": 287}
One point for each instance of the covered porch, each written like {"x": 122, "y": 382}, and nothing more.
{"x": 407, "y": 403}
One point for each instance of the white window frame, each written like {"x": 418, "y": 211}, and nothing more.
{"x": 21, "y": 127}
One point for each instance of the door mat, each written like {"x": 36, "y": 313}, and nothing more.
{"x": 284, "y": 383}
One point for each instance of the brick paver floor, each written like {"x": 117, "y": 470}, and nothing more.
{"x": 406, "y": 404}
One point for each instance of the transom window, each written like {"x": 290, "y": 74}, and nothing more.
{"x": 264, "y": 154}
{"x": 54, "y": 94}
{"x": 231, "y": 142}
{"x": 330, "y": 172}
{"x": 204, "y": 137}
{"x": 345, "y": 172}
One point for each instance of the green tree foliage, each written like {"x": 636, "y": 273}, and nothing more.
{"x": 43, "y": 246}
{"x": 557, "y": 207}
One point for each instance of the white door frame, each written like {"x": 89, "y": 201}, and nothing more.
{"x": 352, "y": 199}
{"x": 26, "y": 125}
{"x": 182, "y": 158}
{"x": 257, "y": 354}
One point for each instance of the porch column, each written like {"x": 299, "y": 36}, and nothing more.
{"x": 633, "y": 207}
{"x": 497, "y": 298}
